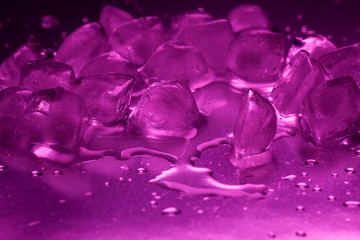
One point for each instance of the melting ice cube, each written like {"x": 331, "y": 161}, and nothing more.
{"x": 111, "y": 18}
{"x": 177, "y": 63}
{"x": 331, "y": 110}
{"x": 255, "y": 126}
{"x": 165, "y": 109}
{"x": 83, "y": 44}
{"x": 256, "y": 55}
{"x": 42, "y": 74}
{"x": 189, "y": 19}
{"x": 246, "y": 16}
{"x": 54, "y": 118}
{"x": 107, "y": 95}
{"x": 212, "y": 39}
{"x": 10, "y": 69}
{"x": 297, "y": 79}
{"x": 138, "y": 39}
{"x": 316, "y": 45}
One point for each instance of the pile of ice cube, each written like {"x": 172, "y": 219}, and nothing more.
{"x": 103, "y": 67}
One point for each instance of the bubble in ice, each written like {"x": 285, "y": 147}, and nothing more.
{"x": 316, "y": 45}
{"x": 330, "y": 111}
{"x": 82, "y": 45}
{"x": 255, "y": 126}
{"x": 176, "y": 62}
{"x": 138, "y": 39}
{"x": 54, "y": 119}
{"x": 3, "y": 168}
{"x": 171, "y": 211}
{"x": 350, "y": 170}
{"x": 36, "y": 173}
{"x": 343, "y": 62}
{"x": 165, "y": 109}
{"x": 43, "y": 74}
{"x": 212, "y": 39}
{"x": 112, "y": 62}
{"x": 49, "y": 21}
{"x": 297, "y": 79}
{"x": 107, "y": 96}
{"x": 248, "y": 15}
{"x": 256, "y": 55}
{"x": 111, "y": 18}
{"x": 189, "y": 19}
{"x": 10, "y": 69}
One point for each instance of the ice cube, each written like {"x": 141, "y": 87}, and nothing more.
{"x": 255, "y": 126}
{"x": 13, "y": 101}
{"x": 175, "y": 62}
{"x": 165, "y": 109}
{"x": 316, "y": 45}
{"x": 212, "y": 39}
{"x": 83, "y": 44}
{"x": 298, "y": 78}
{"x": 54, "y": 118}
{"x": 111, "y": 18}
{"x": 331, "y": 110}
{"x": 256, "y": 55}
{"x": 10, "y": 69}
{"x": 138, "y": 39}
{"x": 343, "y": 62}
{"x": 112, "y": 62}
{"x": 42, "y": 74}
{"x": 189, "y": 19}
{"x": 248, "y": 15}
{"x": 107, "y": 96}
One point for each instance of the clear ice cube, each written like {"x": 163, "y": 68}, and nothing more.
{"x": 316, "y": 45}
{"x": 112, "y": 62}
{"x": 165, "y": 109}
{"x": 10, "y": 69}
{"x": 212, "y": 39}
{"x": 248, "y": 15}
{"x": 189, "y": 19}
{"x": 344, "y": 61}
{"x": 138, "y": 39}
{"x": 298, "y": 78}
{"x": 256, "y": 55}
{"x": 112, "y": 17}
{"x": 82, "y": 45}
{"x": 42, "y": 74}
{"x": 107, "y": 96}
{"x": 175, "y": 62}
{"x": 331, "y": 111}
{"x": 54, "y": 118}
{"x": 255, "y": 125}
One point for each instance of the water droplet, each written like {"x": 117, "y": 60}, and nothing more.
{"x": 106, "y": 184}
{"x": 300, "y": 208}
{"x": 153, "y": 202}
{"x": 3, "y": 168}
{"x": 171, "y": 211}
{"x": 58, "y": 173}
{"x": 335, "y": 175}
{"x": 141, "y": 170}
{"x": 311, "y": 162}
{"x": 36, "y": 173}
{"x": 200, "y": 211}
{"x": 350, "y": 170}
{"x": 300, "y": 233}
{"x": 331, "y": 198}
{"x": 126, "y": 168}
{"x": 85, "y": 20}
{"x": 62, "y": 200}
{"x": 346, "y": 182}
{"x": 302, "y": 185}
{"x": 304, "y": 174}
{"x": 88, "y": 194}
{"x": 289, "y": 177}
{"x": 49, "y": 21}
{"x": 121, "y": 179}
{"x": 357, "y": 152}
{"x": 317, "y": 188}
{"x": 272, "y": 235}
{"x": 352, "y": 204}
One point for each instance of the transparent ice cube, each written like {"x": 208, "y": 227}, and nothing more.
{"x": 256, "y": 55}
{"x": 165, "y": 109}
{"x": 212, "y": 39}
{"x": 107, "y": 96}
{"x": 175, "y": 62}
{"x": 42, "y": 74}
{"x": 138, "y": 39}
{"x": 112, "y": 17}
{"x": 83, "y": 44}
{"x": 189, "y": 19}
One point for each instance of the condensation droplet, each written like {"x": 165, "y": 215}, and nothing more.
{"x": 36, "y": 173}
{"x": 58, "y": 173}
{"x": 271, "y": 235}
{"x": 357, "y": 152}
{"x": 3, "y": 168}
{"x": 121, "y": 179}
{"x": 334, "y": 175}
{"x": 289, "y": 177}
{"x": 153, "y": 202}
{"x": 317, "y": 188}
{"x": 302, "y": 185}
{"x": 171, "y": 211}
{"x": 106, "y": 184}
{"x": 331, "y": 198}
{"x": 304, "y": 174}
{"x": 350, "y": 170}
{"x": 311, "y": 162}
{"x": 300, "y": 233}
{"x": 49, "y": 21}
{"x": 352, "y": 204}
{"x": 126, "y": 168}
{"x": 141, "y": 170}
{"x": 300, "y": 208}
